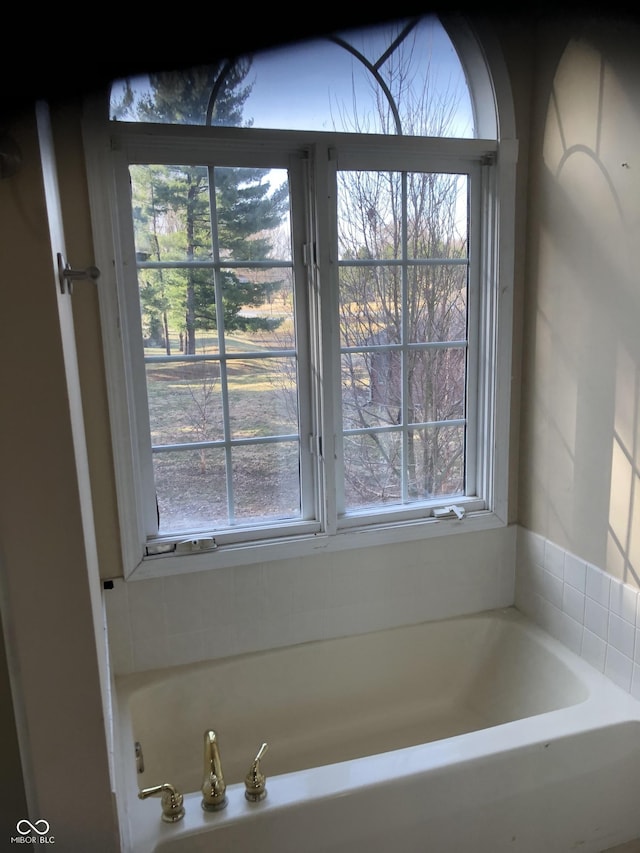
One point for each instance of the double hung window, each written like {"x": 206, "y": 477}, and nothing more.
{"x": 302, "y": 333}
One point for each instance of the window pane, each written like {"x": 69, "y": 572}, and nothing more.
{"x": 171, "y": 213}
{"x": 266, "y": 311}
{"x": 215, "y": 279}
{"x": 191, "y": 490}
{"x": 262, "y": 397}
{"x": 403, "y": 273}
{"x": 435, "y": 461}
{"x": 316, "y": 85}
{"x": 266, "y": 482}
{"x": 192, "y": 487}
{"x": 370, "y": 304}
{"x": 373, "y": 470}
{"x": 437, "y": 214}
{"x": 252, "y": 212}
{"x": 369, "y": 396}
{"x": 437, "y": 303}
{"x": 185, "y": 401}
{"x": 436, "y": 385}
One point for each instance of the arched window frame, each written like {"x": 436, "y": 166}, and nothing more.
{"x": 496, "y": 152}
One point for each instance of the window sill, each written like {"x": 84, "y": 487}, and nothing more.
{"x": 164, "y": 565}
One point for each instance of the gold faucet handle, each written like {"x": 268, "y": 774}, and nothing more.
{"x": 255, "y": 780}
{"x": 171, "y": 801}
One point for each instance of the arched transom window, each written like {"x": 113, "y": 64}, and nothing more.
{"x": 404, "y": 78}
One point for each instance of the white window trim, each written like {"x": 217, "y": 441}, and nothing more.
{"x": 495, "y": 334}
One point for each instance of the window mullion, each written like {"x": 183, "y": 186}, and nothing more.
{"x": 404, "y": 473}
{"x": 224, "y": 377}
{"x": 305, "y": 342}
{"x": 326, "y": 289}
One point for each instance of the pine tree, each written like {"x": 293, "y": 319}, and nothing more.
{"x": 172, "y": 215}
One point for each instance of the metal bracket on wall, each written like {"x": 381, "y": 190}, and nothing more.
{"x": 67, "y": 275}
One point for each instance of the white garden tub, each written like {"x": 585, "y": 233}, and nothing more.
{"x": 476, "y": 734}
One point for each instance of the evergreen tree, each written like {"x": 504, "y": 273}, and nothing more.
{"x": 173, "y": 216}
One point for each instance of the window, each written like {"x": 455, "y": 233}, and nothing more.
{"x": 303, "y": 335}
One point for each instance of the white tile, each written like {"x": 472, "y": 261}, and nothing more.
{"x": 554, "y": 559}
{"x": 530, "y": 547}
{"x": 116, "y": 601}
{"x": 185, "y": 648}
{"x": 552, "y": 589}
{"x": 120, "y": 655}
{"x": 575, "y": 572}
{"x": 149, "y": 653}
{"x": 636, "y": 655}
{"x": 536, "y": 578}
{"x": 571, "y": 633}
{"x": 596, "y": 618}
{"x": 278, "y": 589}
{"x": 551, "y": 620}
{"x": 219, "y": 641}
{"x": 217, "y": 598}
{"x": 621, "y": 635}
{"x": 504, "y": 583}
{"x": 635, "y": 681}
{"x": 623, "y": 600}
{"x": 594, "y": 650}
{"x": 598, "y": 584}
{"x": 528, "y": 601}
{"x": 249, "y": 594}
{"x": 573, "y": 603}
{"x": 312, "y": 585}
{"x": 618, "y": 668}
{"x": 146, "y": 610}
{"x": 182, "y": 597}
{"x": 308, "y": 626}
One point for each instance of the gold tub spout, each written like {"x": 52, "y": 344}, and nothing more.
{"x": 214, "y": 789}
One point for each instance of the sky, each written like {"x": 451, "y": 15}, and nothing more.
{"x": 310, "y": 85}
{"x": 325, "y": 76}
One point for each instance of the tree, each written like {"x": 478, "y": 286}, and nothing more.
{"x": 174, "y": 207}
{"x": 404, "y": 233}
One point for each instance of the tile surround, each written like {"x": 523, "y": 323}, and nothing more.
{"x": 181, "y": 619}
{"x": 593, "y": 613}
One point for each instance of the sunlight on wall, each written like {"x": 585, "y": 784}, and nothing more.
{"x": 623, "y": 545}
{"x": 581, "y": 453}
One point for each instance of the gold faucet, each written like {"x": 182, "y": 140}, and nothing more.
{"x": 255, "y": 781}
{"x": 214, "y": 789}
{"x": 171, "y": 801}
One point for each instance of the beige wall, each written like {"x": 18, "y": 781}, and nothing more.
{"x": 49, "y": 585}
{"x": 581, "y": 379}
{"x": 12, "y": 794}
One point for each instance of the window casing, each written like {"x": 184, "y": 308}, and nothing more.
{"x": 315, "y": 164}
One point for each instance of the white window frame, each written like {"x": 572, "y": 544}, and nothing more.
{"x": 109, "y": 150}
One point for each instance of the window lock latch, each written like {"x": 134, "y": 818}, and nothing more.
{"x": 453, "y": 511}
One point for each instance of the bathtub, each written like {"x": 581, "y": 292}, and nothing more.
{"x": 480, "y": 733}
